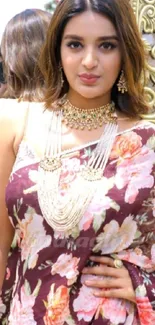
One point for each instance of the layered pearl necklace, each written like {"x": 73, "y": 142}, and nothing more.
{"x": 63, "y": 213}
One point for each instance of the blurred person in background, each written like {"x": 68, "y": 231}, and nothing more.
{"x": 2, "y": 80}
{"x": 21, "y": 43}
{"x": 22, "y": 40}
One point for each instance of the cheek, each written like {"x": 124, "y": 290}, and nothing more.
{"x": 66, "y": 58}
{"x": 69, "y": 63}
{"x": 112, "y": 69}
{"x": 113, "y": 59}
{"x": 70, "y": 66}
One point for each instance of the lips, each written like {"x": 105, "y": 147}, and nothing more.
{"x": 88, "y": 78}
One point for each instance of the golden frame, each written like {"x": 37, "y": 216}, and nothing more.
{"x": 145, "y": 15}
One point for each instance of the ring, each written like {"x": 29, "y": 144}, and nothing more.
{"x": 118, "y": 263}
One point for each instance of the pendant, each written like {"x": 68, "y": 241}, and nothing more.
{"x": 50, "y": 164}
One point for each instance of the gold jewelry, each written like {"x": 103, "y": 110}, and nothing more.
{"x": 78, "y": 118}
{"x": 118, "y": 263}
{"x": 63, "y": 213}
{"x": 122, "y": 83}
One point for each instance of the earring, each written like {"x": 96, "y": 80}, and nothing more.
{"x": 61, "y": 76}
{"x": 122, "y": 83}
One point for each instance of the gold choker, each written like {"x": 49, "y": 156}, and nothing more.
{"x": 93, "y": 118}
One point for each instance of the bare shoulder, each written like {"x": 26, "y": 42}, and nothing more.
{"x": 10, "y": 113}
{"x": 13, "y": 116}
{"x": 12, "y": 110}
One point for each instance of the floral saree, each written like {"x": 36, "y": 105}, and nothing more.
{"x": 43, "y": 283}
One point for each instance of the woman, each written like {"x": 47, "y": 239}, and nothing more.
{"x": 80, "y": 198}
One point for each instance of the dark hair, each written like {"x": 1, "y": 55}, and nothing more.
{"x": 21, "y": 43}
{"x": 122, "y": 16}
{"x": 2, "y": 80}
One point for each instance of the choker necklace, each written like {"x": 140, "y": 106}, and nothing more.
{"x": 92, "y": 118}
{"x": 64, "y": 212}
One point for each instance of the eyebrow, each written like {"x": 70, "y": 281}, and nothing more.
{"x": 101, "y": 38}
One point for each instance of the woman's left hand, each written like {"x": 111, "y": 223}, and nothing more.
{"x": 118, "y": 283}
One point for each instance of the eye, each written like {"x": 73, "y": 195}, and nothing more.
{"x": 108, "y": 46}
{"x": 74, "y": 45}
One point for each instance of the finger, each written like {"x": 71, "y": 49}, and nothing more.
{"x": 103, "y": 260}
{"x": 106, "y": 271}
{"x": 106, "y": 283}
{"x": 96, "y": 270}
{"x": 116, "y": 293}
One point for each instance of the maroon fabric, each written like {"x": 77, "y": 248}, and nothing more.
{"x": 43, "y": 283}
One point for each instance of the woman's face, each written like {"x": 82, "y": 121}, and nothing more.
{"x": 90, "y": 55}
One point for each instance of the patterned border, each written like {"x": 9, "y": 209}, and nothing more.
{"x": 145, "y": 15}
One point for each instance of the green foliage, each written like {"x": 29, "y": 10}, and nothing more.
{"x": 51, "y": 5}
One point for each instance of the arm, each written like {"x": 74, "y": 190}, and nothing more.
{"x": 144, "y": 286}
{"x": 7, "y": 158}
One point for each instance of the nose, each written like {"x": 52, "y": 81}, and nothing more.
{"x": 90, "y": 59}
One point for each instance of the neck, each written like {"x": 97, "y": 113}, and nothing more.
{"x": 88, "y": 103}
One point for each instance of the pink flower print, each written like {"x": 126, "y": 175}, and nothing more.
{"x": 115, "y": 238}
{"x": 126, "y": 146}
{"x": 99, "y": 204}
{"x": 86, "y": 221}
{"x": 153, "y": 254}
{"x": 70, "y": 168}
{"x": 114, "y": 310}
{"x": 135, "y": 175}
{"x": 86, "y": 304}
{"x": 8, "y": 273}
{"x": 57, "y": 306}
{"x": 145, "y": 311}
{"x": 22, "y": 311}
{"x": 136, "y": 258}
{"x": 66, "y": 266}
{"x": 32, "y": 237}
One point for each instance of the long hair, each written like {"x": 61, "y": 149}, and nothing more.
{"x": 21, "y": 43}
{"x": 122, "y": 16}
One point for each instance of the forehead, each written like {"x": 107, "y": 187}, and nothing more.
{"x": 90, "y": 24}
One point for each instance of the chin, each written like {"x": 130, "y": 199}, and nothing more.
{"x": 89, "y": 93}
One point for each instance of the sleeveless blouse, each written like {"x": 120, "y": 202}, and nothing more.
{"x": 44, "y": 284}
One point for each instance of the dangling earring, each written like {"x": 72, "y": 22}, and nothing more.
{"x": 61, "y": 76}
{"x": 122, "y": 83}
